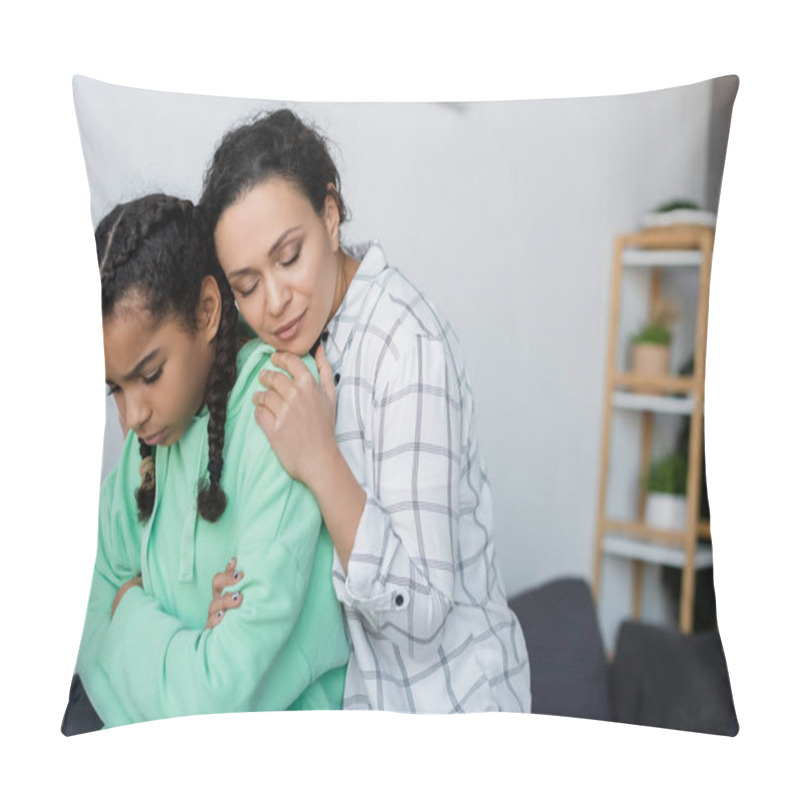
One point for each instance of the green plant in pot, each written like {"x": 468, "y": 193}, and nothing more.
{"x": 679, "y": 211}
{"x": 675, "y": 205}
{"x": 666, "y": 492}
{"x": 650, "y": 348}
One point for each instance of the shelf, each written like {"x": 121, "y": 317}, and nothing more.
{"x": 672, "y": 237}
{"x": 677, "y": 245}
{"x": 666, "y": 555}
{"x": 635, "y": 257}
{"x": 668, "y": 383}
{"x": 642, "y": 531}
{"x": 653, "y": 402}
{"x": 639, "y": 530}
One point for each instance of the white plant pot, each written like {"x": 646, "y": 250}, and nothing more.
{"x": 666, "y": 511}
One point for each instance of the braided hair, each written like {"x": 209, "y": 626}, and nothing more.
{"x": 158, "y": 246}
{"x": 281, "y": 145}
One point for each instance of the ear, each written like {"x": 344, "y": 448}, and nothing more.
{"x": 209, "y": 308}
{"x": 330, "y": 216}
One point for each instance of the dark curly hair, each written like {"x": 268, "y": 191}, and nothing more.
{"x": 158, "y": 246}
{"x": 279, "y": 144}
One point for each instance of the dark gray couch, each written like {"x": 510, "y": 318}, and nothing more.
{"x": 658, "y": 676}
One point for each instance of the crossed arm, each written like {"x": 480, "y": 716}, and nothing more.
{"x": 145, "y": 663}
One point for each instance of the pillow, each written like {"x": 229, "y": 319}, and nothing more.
{"x": 518, "y": 204}
{"x": 661, "y": 677}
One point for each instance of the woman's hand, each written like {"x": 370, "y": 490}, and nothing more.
{"x": 220, "y": 602}
{"x": 137, "y": 581}
{"x": 298, "y": 416}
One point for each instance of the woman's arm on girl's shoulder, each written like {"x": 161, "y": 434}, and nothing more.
{"x": 297, "y": 414}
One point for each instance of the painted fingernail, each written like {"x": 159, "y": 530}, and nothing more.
{"x": 220, "y": 614}
{"x": 237, "y": 574}
{"x": 235, "y": 596}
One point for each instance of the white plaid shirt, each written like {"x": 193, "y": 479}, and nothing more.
{"x": 429, "y": 626}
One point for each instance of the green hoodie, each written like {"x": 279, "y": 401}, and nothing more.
{"x": 283, "y": 648}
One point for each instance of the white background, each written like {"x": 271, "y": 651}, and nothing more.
{"x": 52, "y": 414}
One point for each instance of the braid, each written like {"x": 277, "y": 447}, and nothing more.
{"x": 146, "y": 493}
{"x": 211, "y": 499}
{"x": 126, "y": 240}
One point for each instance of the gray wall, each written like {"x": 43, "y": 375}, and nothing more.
{"x": 505, "y": 214}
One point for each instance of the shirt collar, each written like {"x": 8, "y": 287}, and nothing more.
{"x": 340, "y": 328}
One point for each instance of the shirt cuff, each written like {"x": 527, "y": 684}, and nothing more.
{"x": 364, "y": 587}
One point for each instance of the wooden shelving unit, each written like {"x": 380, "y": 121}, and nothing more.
{"x": 654, "y": 250}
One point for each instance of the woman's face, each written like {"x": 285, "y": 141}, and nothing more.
{"x": 156, "y": 371}
{"x": 280, "y": 259}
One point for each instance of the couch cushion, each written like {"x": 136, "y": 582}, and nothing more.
{"x": 568, "y": 665}
{"x": 671, "y": 680}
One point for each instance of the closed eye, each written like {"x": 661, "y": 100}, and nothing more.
{"x": 244, "y": 292}
{"x": 111, "y": 388}
{"x": 291, "y": 260}
{"x": 154, "y": 377}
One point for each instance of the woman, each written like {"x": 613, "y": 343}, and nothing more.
{"x": 386, "y": 441}
{"x": 194, "y": 484}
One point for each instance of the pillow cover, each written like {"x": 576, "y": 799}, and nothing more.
{"x": 518, "y": 205}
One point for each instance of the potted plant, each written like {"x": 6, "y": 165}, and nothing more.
{"x": 679, "y": 212}
{"x": 651, "y": 346}
{"x": 666, "y": 492}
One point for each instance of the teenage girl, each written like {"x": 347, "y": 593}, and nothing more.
{"x": 386, "y": 441}
{"x": 196, "y": 484}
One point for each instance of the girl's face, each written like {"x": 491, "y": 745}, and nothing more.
{"x": 157, "y": 371}
{"x": 280, "y": 258}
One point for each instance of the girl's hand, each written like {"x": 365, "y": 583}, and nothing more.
{"x": 137, "y": 581}
{"x": 220, "y": 602}
{"x": 298, "y": 416}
